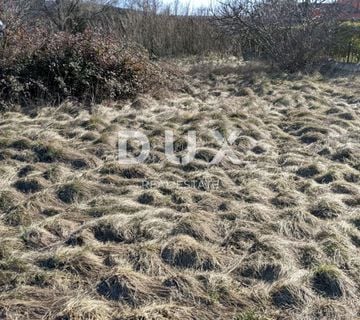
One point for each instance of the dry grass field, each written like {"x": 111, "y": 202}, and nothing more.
{"x": 275, "y": 237}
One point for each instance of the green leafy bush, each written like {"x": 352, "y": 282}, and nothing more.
{"x": 347, "y": 42}
{"x": 85, "y": 67}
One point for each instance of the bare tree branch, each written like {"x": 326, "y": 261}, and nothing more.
{"x": 287, "y": 32}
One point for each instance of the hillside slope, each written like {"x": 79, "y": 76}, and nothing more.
{"x": 274, "y": 237}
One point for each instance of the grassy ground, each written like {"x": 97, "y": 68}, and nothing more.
{"x": 277, "y": 238}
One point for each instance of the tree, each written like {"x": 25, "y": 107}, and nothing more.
{"x": 289, "y": 33}
{"x": 74, "y": 15}
{"x": 13, "y": 12}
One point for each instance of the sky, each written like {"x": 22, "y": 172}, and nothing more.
{"x": 194, "y": 4}
{"x": 198, "y": 3}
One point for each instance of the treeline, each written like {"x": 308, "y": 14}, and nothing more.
{"x": 164, "y": 30}
{"x": 164, "y": 34}
{"x": 347, "y": 44}
{"x": 289, "y": 33}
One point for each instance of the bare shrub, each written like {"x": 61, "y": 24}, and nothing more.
{"x": 86, "y": 66}
{"x": 73, "y": 15}
{"x": 288, "y": 33}
{"x": 167, "y": 30}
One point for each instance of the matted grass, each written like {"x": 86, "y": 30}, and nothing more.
{"x": 276, "y": 236}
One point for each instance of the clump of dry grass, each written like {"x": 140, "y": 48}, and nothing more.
{"x": 296, "y": 224}
{"x": 309, "y": 256}
{"x": 17, "y": 216}
{"x": 326, "y": 209}
{"x": 185, "y": 252}
{"x": 37, "y": 237}
{"x": 308, "y": 172}
{"x": 261, "y": 270}
{"x": 49, "y": 152}
{"x": 81, "y": 307}
{"x": 198, "y": 226}
{"x": 161, "y": 311}
{"x": 250, "y": 315}
{"x": 328, "y": 281}
{"x": 123, "y": 230}
{"x": 145, "y": 258}
{"x": 78, "y": 261}
{"x": 129, "y": 287}
{"x": 147, "y": 198}
{"x": 130, "y": 172}
{"x": 8, "y": 200}
{"x": 290, "y": 296}
{"x": 77, "y": 190}
{"x": 240, "y": 238}
{"x": 28, "y": 185}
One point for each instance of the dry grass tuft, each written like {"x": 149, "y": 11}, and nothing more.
{"x": 129, "y": 287}
{"x": 117, "y": 230}
{"x": 328, "y": 281}
{"x": 127, "y": 172}
{"x": 78, "y": 261}
{"x": 291, "y": 295}
{"x": 308, "y": 172}
{"x": 81, "y": 307}
{"x": 185, "y": 252}
{"x": 199, "y": 226}
{"x": 28, "y": 185}
{"x": 326, "y": 209}
{"x": 74, "y": 191}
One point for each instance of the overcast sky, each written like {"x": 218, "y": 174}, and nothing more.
{"x": 194, "y": 4}
{"x": 197, "y": 3}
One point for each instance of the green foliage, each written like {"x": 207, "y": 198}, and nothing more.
{"x": 347, "y": 42}
{"x": 85, "y": 67}
{"x": 330, "y": 270}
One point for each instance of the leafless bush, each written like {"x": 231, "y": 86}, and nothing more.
{"x": 289, "y": 33}
{"x": 163, "y": 29}
{"x": 13, "y": 13}
{"x": 73, "y": 15}
{"x": 37, "y": 66}
{"x": 166, "y": 30}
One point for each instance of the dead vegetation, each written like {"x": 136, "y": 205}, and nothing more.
{"x": 274, "y": 237}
